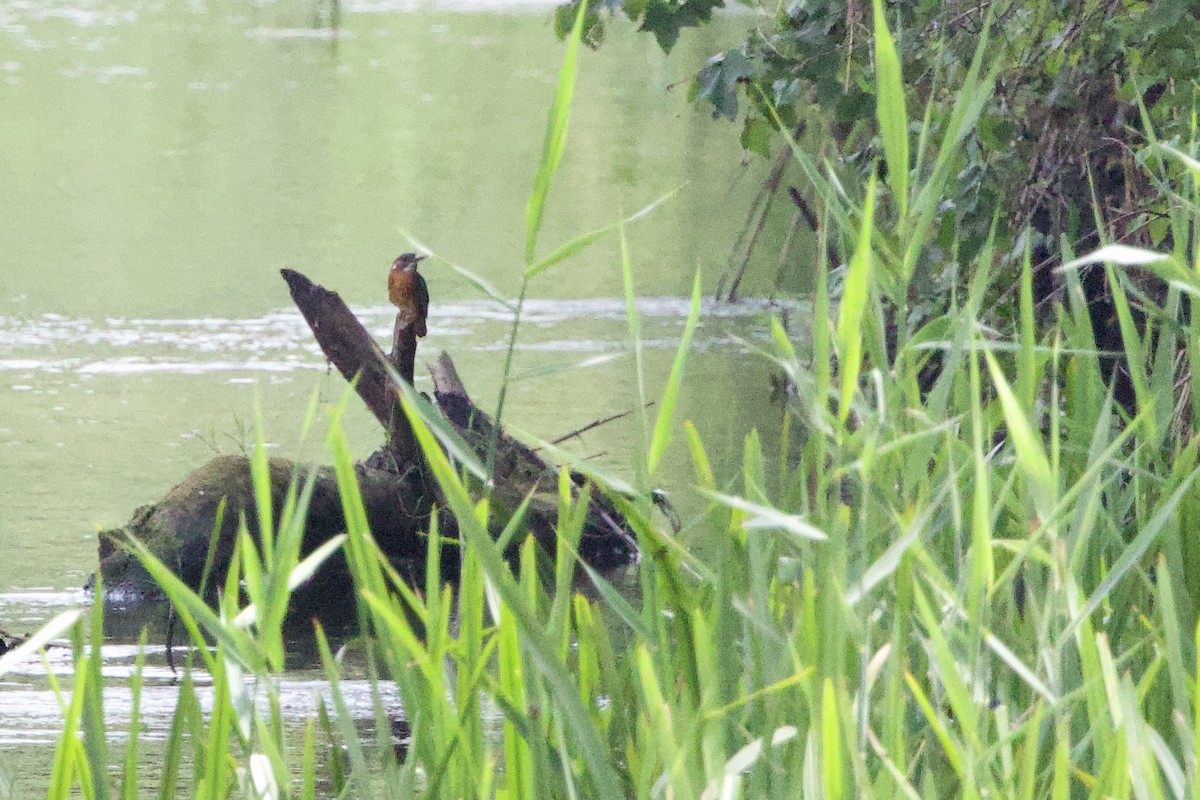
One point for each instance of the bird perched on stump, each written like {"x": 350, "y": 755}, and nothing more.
{"x": 407, "y": 290}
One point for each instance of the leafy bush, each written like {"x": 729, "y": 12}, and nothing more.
{"x": 1075, "y": 89}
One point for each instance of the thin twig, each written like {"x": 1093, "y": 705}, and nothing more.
{"x": 596, "y": 424}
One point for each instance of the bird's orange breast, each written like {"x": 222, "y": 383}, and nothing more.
{"x": 400, "y": 287}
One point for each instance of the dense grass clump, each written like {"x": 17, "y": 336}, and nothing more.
{"x": 967, "y": 570}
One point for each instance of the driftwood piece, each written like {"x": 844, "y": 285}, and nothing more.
{"x": 345, "y": 342}
{"x": 350, "y": 348}
{"x": 517, "y": 470}
{"x": 607, "y": 541}
{"x": 398, "y": 499}
{"x": 401, "y": 441}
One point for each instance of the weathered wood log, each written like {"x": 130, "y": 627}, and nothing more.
{"x": 345, "y": 342}
{"x": 179, "y": 527}
{"x": 517, "y": 470}
{"x": 397, "y": 490}
{"x": 350, "y": 348}
{"x": 607, "y": 541}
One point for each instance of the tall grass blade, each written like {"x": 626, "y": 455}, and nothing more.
{"x": 56, "y": 627}
{"x": 973, "y": 94}
{"x": 764, "y": 517}
{"x": 666, "y": 409}
{"x": 556, "y": 136}
{"x": 1031, "y": 455}
{"x": 890, "y": 110}
{"x": 1132, "y": 553}
{"x": 635, "y": 331}
{"x": 603, "y": 777}
{"x": 852, "y": 310}
{"x": 584, "y": 241}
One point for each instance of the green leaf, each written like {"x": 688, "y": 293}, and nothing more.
{"x": 1031, "y": 455}
{"x": 718, "y": 81}
{"x": 51, "y": 630}
{"x": 665, "y": 19}
{"x": 853, "y": 307}
{"x": 890, "y": 109}
{"x": 766, "y": 517}
{"x": 666, "y": 409}
{"x": 556, "y": 136}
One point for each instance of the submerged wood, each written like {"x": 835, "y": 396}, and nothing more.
{"x": 397, "y": 490}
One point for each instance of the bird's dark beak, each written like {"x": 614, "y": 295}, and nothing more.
{"x": 421, "y": 257}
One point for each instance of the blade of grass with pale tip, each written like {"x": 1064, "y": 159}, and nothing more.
{"x": 1192, "y": 164}
{"x": 666, "y": 409}
{"x": 1031, "y": 455}
{"x": 299, "y": 574}
{"x": 53, "y": 629}
{"x": 593, "y": 751}
{"x": 1120, "y": 254}
{"x": 766, "y": 517}
{"x": 891, "y": 111}
{"x": 586, "y": 240}
{"x": 1165, "y": 266}
{"x": 741, "y": 761}
{"x": 855, "y": 293}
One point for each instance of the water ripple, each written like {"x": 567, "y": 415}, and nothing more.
{"x": 281, "y": 341}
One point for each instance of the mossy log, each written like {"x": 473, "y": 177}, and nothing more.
{"x": 179, "y": 528}
{"x": 398, "y": 493}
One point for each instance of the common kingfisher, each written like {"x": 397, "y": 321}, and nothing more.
{"x": 407, "y": 290}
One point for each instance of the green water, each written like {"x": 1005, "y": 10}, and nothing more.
{"x": 160, "y": 161}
